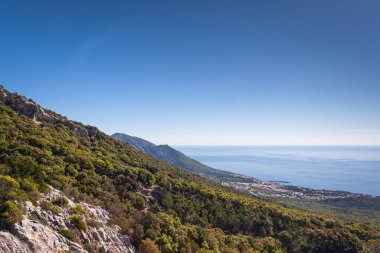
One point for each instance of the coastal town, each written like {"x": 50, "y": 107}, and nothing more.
{"x": 282, "y": 190}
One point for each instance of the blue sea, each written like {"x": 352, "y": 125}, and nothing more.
{"x": 353, "y": 169}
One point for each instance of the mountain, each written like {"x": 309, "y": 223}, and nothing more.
{"x": 66, "y": 186}
{"x": 173, "y": 156}
{"x": 138, "y": 143}
{"x": 249, "y": 184}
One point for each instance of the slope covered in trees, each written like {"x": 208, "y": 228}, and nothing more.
{"x": 173, "y": 156}
{"x": 162, "y": 207}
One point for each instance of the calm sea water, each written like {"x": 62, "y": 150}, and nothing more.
{"x": 353, "y": 169}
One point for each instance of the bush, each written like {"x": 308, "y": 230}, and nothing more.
{"x": 78, "y": 222}
{"x": 78, "y": 209}
{"x": 48, "y": 206}
{"x": 66, "y": 233}
{"x": 60, "y": 201}
{"x": 31, "y": 189}
{"x": 148, "y": 246}
{"x": 11, "y": 213}
{"x": 9, "y": 188}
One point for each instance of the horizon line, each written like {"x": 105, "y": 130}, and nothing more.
{"x": 272, "y": 145}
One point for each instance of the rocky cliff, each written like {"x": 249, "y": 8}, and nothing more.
{"x": 44, "y": 230}
{"x": 28, "y": 108}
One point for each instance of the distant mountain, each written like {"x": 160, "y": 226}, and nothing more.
{"x": 67, "y": 187}
{"x": 137, "y": 142}
{"x": 173, "y": 156}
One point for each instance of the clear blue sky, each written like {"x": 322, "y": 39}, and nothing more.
{"x": 201, "y": 72}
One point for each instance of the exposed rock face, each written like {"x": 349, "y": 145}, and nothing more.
{"x": 11, "y": 243}
{"x": 28, "y": 108}
{"x": 41, "y": 238}
{"x": 41, "y": 234}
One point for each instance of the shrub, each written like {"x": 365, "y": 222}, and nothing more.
{"x": 78, "y": 209}
{"x": 148, "y": 246}
{"x": 60, "y": 201}
{"x": 28, "y": 185}
{"x": 48, "y": 206}
{"x": 72, "y": 170}
{"x": 78, "y": 222}
{"x": 9, "y": 188}
{"x": 11, "y": 213}
{"x": 66, "y": 233}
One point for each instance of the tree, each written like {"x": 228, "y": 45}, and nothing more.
{"x": 148, "y": 246}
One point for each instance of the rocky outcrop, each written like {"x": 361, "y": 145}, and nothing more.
{"x": 11, "y": 243}
{"x": 39, "y": 230}
{"x": 41, "y": 238}
{"x": 28, "y": 108}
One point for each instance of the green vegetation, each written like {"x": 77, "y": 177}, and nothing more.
{"x": 78, "y": 209}
{"x": 170, "y": 155}
{"x": 61, "y": 202}
{"x": 182, "y": 213}
{"x": 148, "y": 246}
{"x": 77, "y": 218}
{"x": 78, "y": 222}
{"x": 11, "y": 213}
{"x": 67, "y": 233}
{"x": 48, "y": 206}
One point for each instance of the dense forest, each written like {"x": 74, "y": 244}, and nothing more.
{"x": 162, "y": 207}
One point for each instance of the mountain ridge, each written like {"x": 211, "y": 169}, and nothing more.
{"x": 168, "y": 154}
{"x": 161, "y": 207}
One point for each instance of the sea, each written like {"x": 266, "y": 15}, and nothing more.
{"x": 349, "y": 168}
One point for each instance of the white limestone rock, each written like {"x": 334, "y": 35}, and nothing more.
{"x": 42, "y": 235}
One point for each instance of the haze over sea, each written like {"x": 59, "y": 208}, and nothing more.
{"x": 354, "y": 169}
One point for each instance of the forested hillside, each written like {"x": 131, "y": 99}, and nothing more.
{"x": 173, "y": 156}
{"x": 162, "y": 207}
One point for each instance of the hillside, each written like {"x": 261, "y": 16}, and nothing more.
{"x": 173, "y": 156}
{"x": 160, "y": 207}
{"x": 345, "y": 205}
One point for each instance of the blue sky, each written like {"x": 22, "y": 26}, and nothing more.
{"x": 201, "y": 72}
